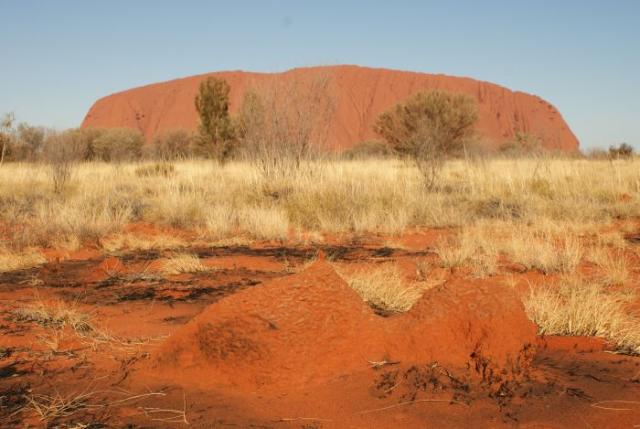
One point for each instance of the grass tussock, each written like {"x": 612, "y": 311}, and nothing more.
{"x": 472, "y": 247}
{"x": 612, "y": 265}
{"x": 57, "y": 316}
{"x": 579, "y": 307}
{"x": 383, "y": 287}
{"x": 546, "y": 252}
{"x": 12, "y": 261}
{"x": 184, "y": 263}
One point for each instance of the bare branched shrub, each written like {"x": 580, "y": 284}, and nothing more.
{"x": 6, "y": 125}
{"x": 60, "y": 154}
{"x": 428, "y": 128}
{"x": 285, "y": 124}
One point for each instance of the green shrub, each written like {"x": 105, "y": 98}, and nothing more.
{"x": 216, "y": 128}
{"x": 428, "y": 128}
{"x": 118, "y": 144}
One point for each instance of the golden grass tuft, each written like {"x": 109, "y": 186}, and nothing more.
{"x": 579, "y": 307}
{"x": 546, "y": 252}
{"x": 12, "y": 261}
{"x": 56, "y": 315}
{"x": 612, "y": 265}
{"x": 184, "y": 263}
{"x": 471, "y": 247}
{"x": 383, "y": 287}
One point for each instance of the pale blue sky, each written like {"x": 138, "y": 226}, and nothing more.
{"x": 583, "y": 56}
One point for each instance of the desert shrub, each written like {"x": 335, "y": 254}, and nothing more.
{"x": 216, "y": 129}
{"x": 30, "y": 141}
{"x": 161, "y": 169}
{"x": 429, "y": 127}
{"x": 60, "y": 152}
{"x": 172, "y": 145}
{"x": 522, "y": 144}
{"x": 22, "y": 143}
{"x": 77, "y": 144}
{"x": 6, "y": 125}
{"x": 282, "y": 126}
{"x": 597, "y": 153}
{"x": 621, "y": 151}
{"x": 368, "y": 149}
{"x": 118, "y": 144}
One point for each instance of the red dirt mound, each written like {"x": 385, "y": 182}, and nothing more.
{"x": 310, "y": 324}
{"x": 461, "y": 324}
{"x": 311, "y": 327}
{"x": 360, "y": 95}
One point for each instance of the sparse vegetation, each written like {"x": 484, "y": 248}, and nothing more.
{"x": 384, "y": 288}
{"x": 282, "y": 127}
{"x": 57, "y": 316}
{"x": 11, "y": 260}
{"x": 384, "y": 196}
{"x": 6, "y": 125}
{"x": 579, "y": 307}
{"x": 428, "y": 128}
{"x": 215, "y": 129}
{"x": 623, "y": 150}
{"x": 184, "y": 263}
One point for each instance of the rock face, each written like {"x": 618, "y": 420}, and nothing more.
{"x": 360, "y": 95}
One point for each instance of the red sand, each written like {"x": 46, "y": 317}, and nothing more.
{"x": 252, "y": 345}
{"x": 360, "y": 93}
{"x": 310, "y": 328}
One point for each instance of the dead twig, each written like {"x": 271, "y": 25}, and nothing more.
{"x": 295, "y": 419}
{"x": 401, "y": 404}
{"x": 600, "y": 405}
{"x": 379, "y": 364}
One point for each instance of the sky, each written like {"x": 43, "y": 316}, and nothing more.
{"x": 583, "y": 56}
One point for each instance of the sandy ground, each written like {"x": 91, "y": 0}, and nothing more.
{"x": 272, "y": 338}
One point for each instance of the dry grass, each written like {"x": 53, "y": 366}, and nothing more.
{"x": 56, "y": 316}
{"x": 58, "y": 407}
{"x": 545, "y": 252}
{"x": 135, "y": 242}
{"x": 184, "y": 263}
{"x": 12, "y": 261}
{"x": 472, "y": 247}
{"x": 578, "y": 307}
{"x": 383, "y": 287}
{"x": 325, "y": 196}
{"x": 612, "y": 265}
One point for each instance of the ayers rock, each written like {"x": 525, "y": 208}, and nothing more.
{"x": 360, "y": 94}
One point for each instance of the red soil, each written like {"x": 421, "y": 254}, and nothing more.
{"x": 252, "y": 345}
{"x": 310, "y": 327}
{"x": 360, "y": 94}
